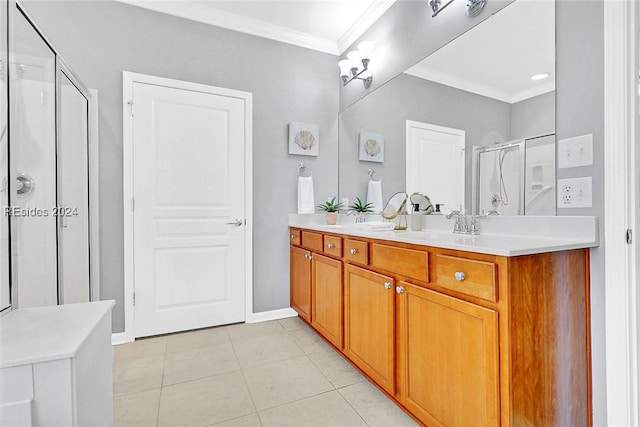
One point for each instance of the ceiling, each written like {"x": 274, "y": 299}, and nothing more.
{"x": 498, "y": 57}
{"x": 329, "y": 26}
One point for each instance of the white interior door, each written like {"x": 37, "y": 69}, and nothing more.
{"x": 189, "y": 190}
{"x": 436, "y": 163}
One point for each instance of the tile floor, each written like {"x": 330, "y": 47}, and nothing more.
{"x": 277, "y": 373}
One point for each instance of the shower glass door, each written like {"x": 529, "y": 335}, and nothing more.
{"x": 5, "y": 287}
{"x": 73, "y": 191}
{"x": 33, "y": 166}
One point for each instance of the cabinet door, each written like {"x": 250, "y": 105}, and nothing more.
{"x": 301, "y": 282}
{"x": 368, "y": 324}
{"x": 448, "y": 359}
{"x": 326, "y": 298}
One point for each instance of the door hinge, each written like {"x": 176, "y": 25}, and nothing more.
{"x": 629, "y": 236}
{"x": 134, "y": 299}
{"x": 131, "y": 107}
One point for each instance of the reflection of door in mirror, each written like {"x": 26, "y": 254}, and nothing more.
{"x": 436, "y": 163}
{"x": 73, "y": 175}
{"x": 5, "y": 290}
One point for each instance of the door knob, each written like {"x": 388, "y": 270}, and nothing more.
{"x": 237, "y": 222}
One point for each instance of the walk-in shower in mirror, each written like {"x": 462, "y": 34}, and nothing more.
{"x": 516, "y": 178}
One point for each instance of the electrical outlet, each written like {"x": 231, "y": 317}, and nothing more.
{"x": 575, "y": 192}
{"x": 573, "y": 152}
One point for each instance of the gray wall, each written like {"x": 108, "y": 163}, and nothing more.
{"x": 100, "y": 39}
{"x": 406, "y": 97}
{"x": 534, "y": 116}
{"x": 580, "y": 111}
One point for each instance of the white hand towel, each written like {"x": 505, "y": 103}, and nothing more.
{"x": 374, "y": 195}
{"x": 305, "y": 195}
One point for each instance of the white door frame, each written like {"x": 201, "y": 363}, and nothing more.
{"x": 128, "y": 79}
{"x": 621, "y": 165}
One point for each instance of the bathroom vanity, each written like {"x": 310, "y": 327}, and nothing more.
{"x": 458, "y": 330}
{"x": 55, "y": 366}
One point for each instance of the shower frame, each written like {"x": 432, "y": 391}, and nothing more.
{"x": 14, "y": 7}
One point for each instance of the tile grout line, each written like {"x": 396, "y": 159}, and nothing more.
{"x": 244, "y": 379}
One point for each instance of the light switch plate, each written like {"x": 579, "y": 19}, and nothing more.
{"x": 575, "y": 192}
{"x": 577, "y": 151}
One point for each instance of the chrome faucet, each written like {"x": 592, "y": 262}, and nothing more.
{"x": 464, "y": 224}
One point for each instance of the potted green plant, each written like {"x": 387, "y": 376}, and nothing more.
{"x": 331, "y": 208}
{"x": 361, "y": 209}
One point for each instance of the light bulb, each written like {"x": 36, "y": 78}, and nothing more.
{"x": 345, "y": 67}
{"x": 366, "y": 48}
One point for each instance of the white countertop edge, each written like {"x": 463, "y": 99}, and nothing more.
{"x": 19, "y": 324}
{"x": 568, "y": 233}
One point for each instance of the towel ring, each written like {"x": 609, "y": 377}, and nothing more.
{"x": 302, "y": 167}
{"x": 371, "y": 174}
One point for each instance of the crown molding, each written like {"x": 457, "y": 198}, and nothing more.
{"x": 479, "y": 89}
{"x": 362, "y": 24}
{"x": 231, "y": 21}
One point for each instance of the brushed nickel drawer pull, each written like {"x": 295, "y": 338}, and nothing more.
{"x": 330, "y": 246}
{"x": 293, "y": 237}
{"x": 353, "y": 251}
{"x": 460, "y": 276}
{"x": 399, "y": 290}
{"x": 387, "y": 285}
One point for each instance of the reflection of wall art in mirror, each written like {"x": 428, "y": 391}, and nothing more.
{"x": 371, "y": 147}
{"x": 304, "y": 139}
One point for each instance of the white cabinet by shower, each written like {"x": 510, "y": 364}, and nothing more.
{"x": 55, "y": 366}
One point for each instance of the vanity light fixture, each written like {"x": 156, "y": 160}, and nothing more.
{"x": 356, "y": 66}
{"x": 474, "y": 7}
{"x": 540, "y": 76}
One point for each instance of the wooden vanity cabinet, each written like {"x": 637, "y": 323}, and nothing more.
{"x": 369, "y": 314}
{"x": 455, "y": 338}
{"x": 449, "y": 359}
{"x": 326, "y": 298}
{"x": 300, "y": 281}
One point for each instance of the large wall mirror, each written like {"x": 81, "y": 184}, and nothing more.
{"x": 479, "y": 113}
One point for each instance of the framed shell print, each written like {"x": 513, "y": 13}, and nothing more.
{"x": 371, "y": 147}
{"x": 304, "y": 139}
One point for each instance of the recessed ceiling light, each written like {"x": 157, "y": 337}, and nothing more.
{"x": 540, "y": 76}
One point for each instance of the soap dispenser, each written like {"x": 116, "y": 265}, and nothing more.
{"x": 416, "y": 218}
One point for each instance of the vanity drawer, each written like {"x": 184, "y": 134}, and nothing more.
{"x": 311, "y": 240}
{"x": 407, "y": 262}
{"x": 333, "y": 246}
{"x": 471, "y": 277}
{"x": 294, "y": 237}
{"x": 356, "y": 251}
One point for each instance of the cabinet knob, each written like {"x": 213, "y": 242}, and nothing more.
{"x": 460, "y": 276}
{"x": 399, "y": 290}
{"x": 387, "y": 285}
{"x": 353, "y": 251}
{"x": 330, "y": 245}
{"x": 293, "y": 237}
{"x": 310, "y": 257}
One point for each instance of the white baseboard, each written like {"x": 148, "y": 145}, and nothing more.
{"x": 121, "y": 338}
{"x": 271, "y": 315}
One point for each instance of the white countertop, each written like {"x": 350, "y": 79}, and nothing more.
{"x": 34, "y": 335}
{"x": 505, "y": 236}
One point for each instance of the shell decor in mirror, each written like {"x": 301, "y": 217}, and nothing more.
{"x": 371, "y": 147}
{"x": 304, "y": 139}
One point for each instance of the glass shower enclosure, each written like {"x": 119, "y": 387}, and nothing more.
{"x": 516, "y": 177}
{"x": 46, "y": 154}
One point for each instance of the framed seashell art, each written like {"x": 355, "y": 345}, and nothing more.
{"x": 371, "y": 147}
{"x": 304, "y": 139}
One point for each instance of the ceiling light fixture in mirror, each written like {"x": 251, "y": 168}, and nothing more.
{"x": 474, "y": 7}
